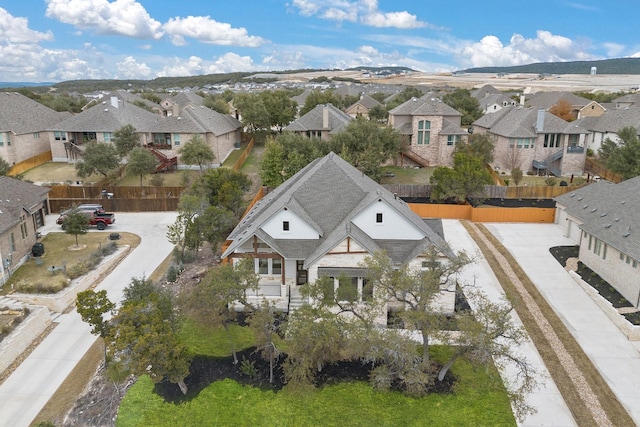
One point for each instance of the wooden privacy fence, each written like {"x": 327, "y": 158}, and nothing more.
{"x": 492, "y": 191}
{"x": 243, "y": 157}
{"x": 484, "y": 214}
{"x": 593, "y": 167}
{"x": 117, "y": 199}
{"x": 30, "y": 163}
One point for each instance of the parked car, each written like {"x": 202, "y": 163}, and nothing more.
{"x": 100, "y": 219}
{"x": 88, "y": 207}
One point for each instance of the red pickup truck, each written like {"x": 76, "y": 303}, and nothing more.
{"x": 98, "y": 218}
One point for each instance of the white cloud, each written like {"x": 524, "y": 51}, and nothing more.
{"x": 207, "y": 30}
{"x": 546, "y": 47}
{"x": 132, "y": 69}
{"x": 120, "y": 17}
{"x": 16, "y": 30}
{"x": 363, "y": 11}
{"x": 229, "y": 62}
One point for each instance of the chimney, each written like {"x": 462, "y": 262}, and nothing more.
{"x": 114, "y": 101}
{"x": 325, "y": 117}
{"x": 540, "y": 121}
{"x": 176, "y": 109}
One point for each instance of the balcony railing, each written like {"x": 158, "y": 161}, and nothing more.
{"x": 575, "y": 150}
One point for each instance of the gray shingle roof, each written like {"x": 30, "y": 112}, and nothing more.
{"x": 547, "y": 100}
{"x": 366, "y": 101}
{"x": 105, "y": 117}
{"x": 16, "y": 197}
{"x": 610, "y": 212}
{"x": 329, "y": 193}
{"x": 427, "y": 105}
{"x": 313, "y": 120}
{"x": 613, "y": 120}
{"x": 520, "y": 122}
{"x": 20, "y": 115}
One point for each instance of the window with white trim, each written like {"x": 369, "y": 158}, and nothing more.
{"x": 424, "y": 132}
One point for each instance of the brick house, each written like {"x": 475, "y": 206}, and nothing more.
{"x": 534, "y": 140}
{"x": 23, "y": 207}
{"x": 23, "y": 127}
{"x": 431, "y": 129}
{"x": 323, "y": 121}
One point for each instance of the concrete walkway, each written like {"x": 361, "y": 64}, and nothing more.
{"x": 551, "y": 407}
{"x": 617, "y": 358}
{"x": 29, "y": 388}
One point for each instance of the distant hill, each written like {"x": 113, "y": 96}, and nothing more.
{"x": 23, "y": 84}
{"x": 605, "y": 66}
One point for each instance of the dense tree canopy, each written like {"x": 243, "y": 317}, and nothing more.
{"x": 623, "y": 157}
{"x": 282, "y": 110}
{"x": 466, "y": 180}
{"x": 480, "y": 145}
{"x": 461, "y": 100}
{"x": 196, "y": 152}
{"x": 141, "y": 163}
{"x": 318, "y": 97}
{"x": 98, "y": 158}
{"x": 125, "y": 139}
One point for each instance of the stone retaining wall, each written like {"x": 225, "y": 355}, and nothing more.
{"x": 631, "y": 331}
{"x": 23, "y": 335}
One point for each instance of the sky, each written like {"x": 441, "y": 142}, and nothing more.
{"x": 58, "y": 40}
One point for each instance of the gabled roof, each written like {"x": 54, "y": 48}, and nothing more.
{"x": 485, "y": 91}
{"x": 17, "y": 197}
{"x": 20, "y": 114}
{"x": 314, "y": 120}
{"x": 613, "y": 120}
{"x": 520, "y": 122}
{"x": 610, "y": 212}
{"x": 366, "y": 101}
{"x": 108, "y": 115}
{"x": 427, "y": 105}
{"x": 328, "y": 193}
{"x": 187, "y": 98}
{"x": 113, "y": 113}
{"x": 547, "y": 100}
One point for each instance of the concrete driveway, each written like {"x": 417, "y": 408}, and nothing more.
{"x": 29, "y": 388}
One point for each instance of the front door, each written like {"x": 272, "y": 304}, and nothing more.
{"x": 301, "y": 273}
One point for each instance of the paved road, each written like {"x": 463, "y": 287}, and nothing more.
{"x": 27, "y": 390}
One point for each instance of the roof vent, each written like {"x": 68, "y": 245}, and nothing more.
{"x": 580, "y": 198}
{"x": 593, "y": 210}
{"x": 616, "y": 219}
{"x": 623, "y": 202}
{"x": 572, "y": 194}
{"x": 603, "y": 214}
{"x": 607, "y": 226}
{"x": 627, "y": 233}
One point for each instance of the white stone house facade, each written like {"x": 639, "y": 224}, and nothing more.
{"x": 324, "y": 221}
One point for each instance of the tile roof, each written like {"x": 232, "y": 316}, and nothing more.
{"x": 20, "y": 114}
{"x": 16, "y": 197}
{"x": 610, "y": 212}
{"x": 328, "y": 193}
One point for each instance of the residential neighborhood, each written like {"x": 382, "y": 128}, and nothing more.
{"x": 339, "y": 254}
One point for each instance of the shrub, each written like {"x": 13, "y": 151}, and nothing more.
{"x": 248, "y": 368}
{"x": 173, "y": 272}
{"x": 108, "y": 249}
{"x": 551, "y": 181}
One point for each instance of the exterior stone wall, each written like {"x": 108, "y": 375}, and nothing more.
{"x": 23, "y": 335}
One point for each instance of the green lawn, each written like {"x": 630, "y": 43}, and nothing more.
{"x": 479, "y": 399}
{"x": 420, "y": 176}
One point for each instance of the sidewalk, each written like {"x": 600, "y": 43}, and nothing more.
{"x": 29, "y": 388}
{"x": 551, "y": 407}
{"x": 617, "y": 358}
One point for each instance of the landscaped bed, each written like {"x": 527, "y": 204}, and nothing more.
{"x": 563, "y": 253}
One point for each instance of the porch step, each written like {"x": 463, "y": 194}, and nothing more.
{"x": 295, "y": 299}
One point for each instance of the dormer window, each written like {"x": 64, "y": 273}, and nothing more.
{"x": 285, "y": 225}
{"x": 379, "y": 218}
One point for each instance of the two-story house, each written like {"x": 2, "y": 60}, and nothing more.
{"x": 324, "y": 221}
{"x": 164, "y": 134}
{"x": 431, "y": 129}
{"x": 23, "y": 127}
{"x": 602, "y": 218}
{"x": 534, "y": 140}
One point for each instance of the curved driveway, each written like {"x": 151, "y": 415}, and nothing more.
{"x": 27, "y": 390}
